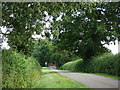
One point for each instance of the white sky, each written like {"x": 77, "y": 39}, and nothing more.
{"x": 112, "y": 47}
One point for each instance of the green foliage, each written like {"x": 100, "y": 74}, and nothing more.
{"x": 77, "y": 65}
{"x": 20, "y": 17}
{"x": 71, "y": 66}
{"x": 106, "y": 63}
{"x": 42, "y": 51}
{"x": 46, "y": 51}
{"x": 82, "y": 28}
{"x": 61, "y": 57}
{"x": 27, "y": 18}
{"x": 86, "y": 32}
{"x": 19, "y": 71}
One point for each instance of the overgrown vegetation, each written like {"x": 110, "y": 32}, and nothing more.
{"x": 106, "y": 63}
{"x": 19, "y": 71}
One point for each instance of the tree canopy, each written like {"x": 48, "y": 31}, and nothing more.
{"x": 87, "y": 30}
{"x": 45, "y": 51}
{"x": 83, "y": 28}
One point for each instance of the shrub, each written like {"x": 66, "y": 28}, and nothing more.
{"x": 106, "y": 63}
{"x": 76, "y": 65}
{"x": 19, "y": 71}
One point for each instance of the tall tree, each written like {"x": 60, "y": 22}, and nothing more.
{"x": 89, "y": 28}
{"x": 25, "y": 19}
{"x": 21, "y": 17}
{"x": 82, "y": 28}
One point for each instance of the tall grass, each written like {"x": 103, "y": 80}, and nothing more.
{"x": 19, "y": 71}
{"x": 106, "y": 63}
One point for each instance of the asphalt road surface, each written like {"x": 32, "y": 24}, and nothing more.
{"x": 90, "y": 80}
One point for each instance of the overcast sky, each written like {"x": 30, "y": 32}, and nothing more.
{"x": 112, "y": 47}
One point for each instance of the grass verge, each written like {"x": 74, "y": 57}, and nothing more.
{"x": 106, "y": 75}
{"x": 100, "y": 74}
{"x": 50, "y": 79}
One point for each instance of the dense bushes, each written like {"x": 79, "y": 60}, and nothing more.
{"x": 19, "y": 71}
{"x": 107, "y": 63}
{"x": 73, "y": 65}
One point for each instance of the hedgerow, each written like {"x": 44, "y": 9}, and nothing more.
{"x": 106, "y": 63}
{"x": 19, "y": 71}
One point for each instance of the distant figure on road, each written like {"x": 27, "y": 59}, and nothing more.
{"x": 46, "y": 64}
